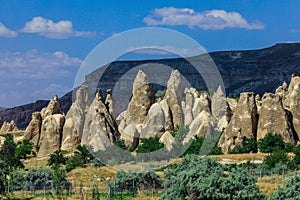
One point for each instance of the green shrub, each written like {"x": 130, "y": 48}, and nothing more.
{"x": 73, "y": 162}
{"x": 149, "y": 145}
{"x": 248, "y": 145}
{"x": 204, "y": 178}
{"x": 56, "y": 159}
{"x": 290, "y": 189}
{"x": 279, "y": 156}
{"x": 38, "y": 179}
{"x": 271, "y": 142}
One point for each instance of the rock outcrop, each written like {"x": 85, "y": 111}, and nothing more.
{"x": 142, "y": 98}
{"x": 73, "y": 128}
{"x": 33, "y": 131}
{"x": 9, "y": 126}
{"x": 291, "y": 102}
{"x": 174, "y": 96}
{"x": 51, "y": 134}
{"x": 168, "y": 140}
{"x": 100, "y": 129}
{"x": 154, "y": 122}
{"x": 243, "y": 123}
{"x": 202, "y": 126}
{"x": 274, "y": 119}
{"x": 220, "y": 109}
{"x": 52, "y": 108}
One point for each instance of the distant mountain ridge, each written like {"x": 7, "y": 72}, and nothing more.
{"x": 259, "y": 71}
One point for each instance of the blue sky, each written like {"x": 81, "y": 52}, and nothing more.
{"x": 42, "y": 43}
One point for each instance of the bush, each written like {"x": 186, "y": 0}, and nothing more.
{"x": 132, "y": 180}
{"x": 290, "y": 190}
{"x": 38, "y": 179}
{"x": 248, "y": 145}
{"x": 160, "y": 93}
{"x": 73, "y": 162}
{"x": 149, "y": 145}
{"x": 196, "y": 178}
{"x": 271, "y": 142}
{"x": 24, "y": 148}
{"x": 56, "y": 159}
{"x": 297, "y": 155}
{"x": 195, "y": 146}
{"x": 279, "y": 156}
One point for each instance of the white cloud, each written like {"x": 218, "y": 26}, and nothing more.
{"x": 166, "y": 50}
{"x": 5, "y": 32}
{"x": 212, "y": 19}
{"x": 59, "y": 30}
{"x": 36, "y": 64}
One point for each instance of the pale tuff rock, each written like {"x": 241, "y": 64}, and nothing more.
{"x": 51, "y": 134}
{"x": 174, "y": 96}
{"x": 33, "y": 130}
{"x": 187, "y": 112}
{"x": 75, "y": 118}
{"x": 282, "y": 90}
{"x": 109, "y": 102}
{"x": 258, "y": 102}
{"x": 201, "y": 103}
{"x": 52, "y": 108}
{"x": 131, "y": 136}
{"x": 153, "y": 125}
{"x": 220, "y": 109}
{"x": 232, "y": 103}
{"x": 9, "y": 126}
{"x": 142, "y": 98}
{"x": 291, "y": 102}
{"x": 243, "y": 123}
{"x": 274, "y": 119}
{"x": 100, "y": 129}
{"x": 168, "y": 140}
{"x": 167, "y": 113}
{"x": 202, "y": 126}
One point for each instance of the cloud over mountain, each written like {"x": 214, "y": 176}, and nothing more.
{"x": 207, "y": 20}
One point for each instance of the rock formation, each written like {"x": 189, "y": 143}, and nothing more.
{"x": 174, "y": 96}
{"x": 291, "y": 102}
{"x": 9, "y": 126}
{"x": 52, "y": 108}
{"x": 153, "y": 125}
{"x": 52, "y": 128}
{"x": 202, "y": 126}
{"x": 243, "y": 123}
{"x": 142, "y": 98}
{"x": 220, "y": 109}
{"x": 33, "y": 131}
{"x": 274, "y": 119}
{"x": 100, "y": 129}
{"x": 168, "y": 140}
{"x": 75, "y": 118}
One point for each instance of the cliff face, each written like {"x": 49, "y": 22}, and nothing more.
{"x": 257, "y": 71}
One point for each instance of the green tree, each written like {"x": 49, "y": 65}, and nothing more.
{"x": 85, "y": 153}
{"x": 73, "y": 162}
{"x": 56, "y": 159}
{"x": 271, "y": 142}
{"x": 24, "y": 148}
{"x": 204, "y": 178}
{"x": 290, "y": 189}
{"x": 59, "y": 180}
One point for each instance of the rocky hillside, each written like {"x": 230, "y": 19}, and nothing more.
{"x": 257, "y": 71}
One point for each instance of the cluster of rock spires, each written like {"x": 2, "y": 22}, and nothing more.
{"x": 95, "y": 124}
